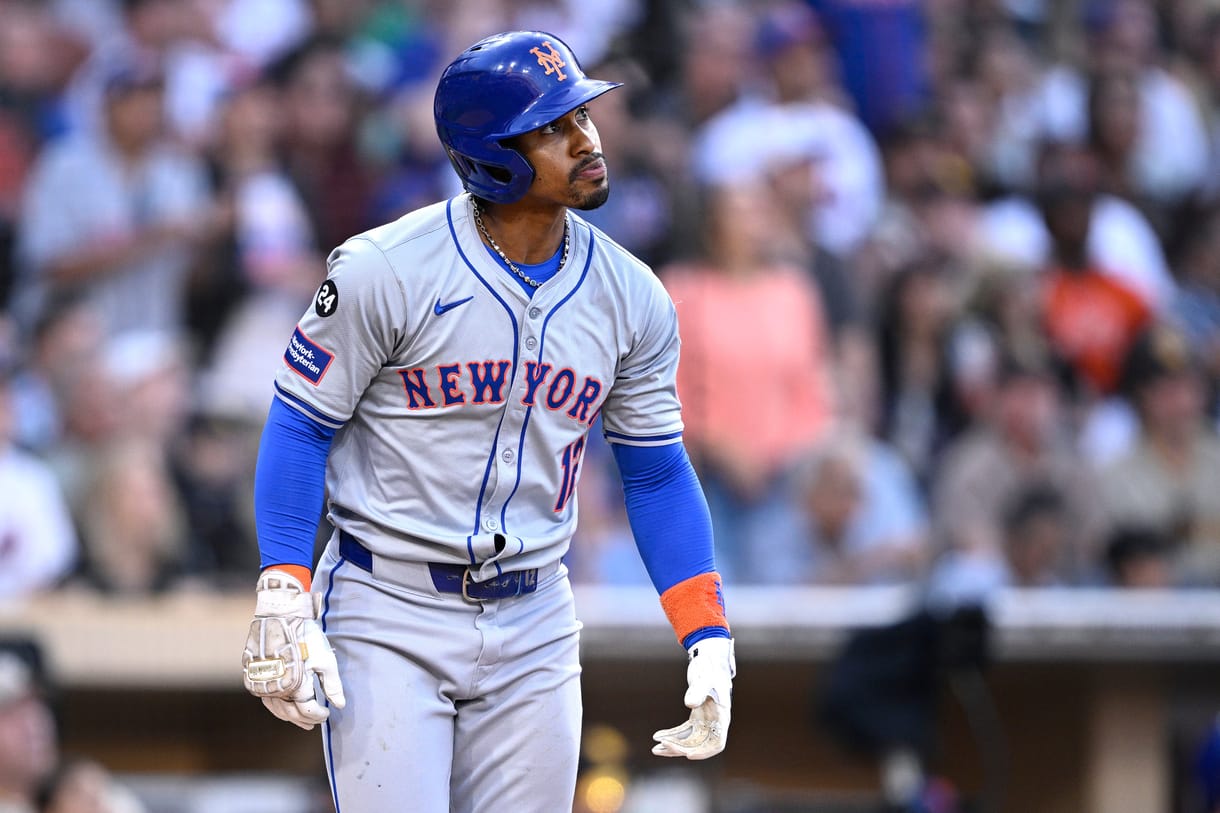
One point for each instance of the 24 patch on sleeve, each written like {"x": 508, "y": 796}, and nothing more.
{"x": 326, "y": 301}
{"x": 307, "y": 358}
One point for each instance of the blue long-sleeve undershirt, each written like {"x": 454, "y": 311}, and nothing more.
{"x": 290, "y": 485}
{"x": 669, "y": 518}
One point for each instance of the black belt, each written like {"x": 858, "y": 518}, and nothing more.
{"x": 450, "y": 578}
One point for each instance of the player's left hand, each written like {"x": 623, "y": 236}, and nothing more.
{"x": 285, "y": 649}
{"x": 709, "y": 677}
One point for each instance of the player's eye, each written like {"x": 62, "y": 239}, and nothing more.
{"x": 582, "y": 112}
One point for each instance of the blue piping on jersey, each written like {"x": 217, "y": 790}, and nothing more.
{"x": 648, "y": 438}
{"x": 330, "y": 753}
{"x": 312, "y": 410}
{"x": 584, "y": 273}
{"x": 491, "y": 457}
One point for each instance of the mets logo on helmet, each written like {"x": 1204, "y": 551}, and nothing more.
{"x": 551, "y": 61}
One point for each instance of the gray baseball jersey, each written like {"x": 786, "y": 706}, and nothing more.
{"x": 462, "y": 408}
{"x": 464, "y": 404}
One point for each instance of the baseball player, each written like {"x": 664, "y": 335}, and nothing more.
{"x": 439, "y": 392}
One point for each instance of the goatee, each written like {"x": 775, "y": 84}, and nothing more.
{"x": 594, "y": 199}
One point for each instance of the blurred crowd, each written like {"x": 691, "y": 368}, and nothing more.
{"x": 35, "y": 775}
{"x": 947, "y": 271}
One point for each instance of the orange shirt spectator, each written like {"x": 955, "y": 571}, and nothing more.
{"x": 1092, "y": 319}
{"x": 753, "y": 378}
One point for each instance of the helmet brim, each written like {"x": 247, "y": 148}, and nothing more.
{"x": 555, "y": 105}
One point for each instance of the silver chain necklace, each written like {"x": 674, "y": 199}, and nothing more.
{"x": 512, "y": 266}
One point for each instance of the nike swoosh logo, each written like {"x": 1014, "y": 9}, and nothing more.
{"x": 440, "y": 309}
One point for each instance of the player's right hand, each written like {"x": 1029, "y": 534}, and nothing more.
{"x": 285, "y": 649}
{"x": 709, "y": 677}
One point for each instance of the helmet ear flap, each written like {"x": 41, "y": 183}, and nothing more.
{"x": 502, "y": 181}
{"x": 465, "y": 166}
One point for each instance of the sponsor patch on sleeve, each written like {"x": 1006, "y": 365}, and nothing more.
{"x": 307, "y": 358}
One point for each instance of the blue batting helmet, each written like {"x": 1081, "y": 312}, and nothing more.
{"x": 500, "y": 87}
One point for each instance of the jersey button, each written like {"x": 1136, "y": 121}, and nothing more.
{"x": 507, "y": 454}
{"x": 531, "y": 343}
{"x": 490, "y": 523}
{"x": 535, "y": 313}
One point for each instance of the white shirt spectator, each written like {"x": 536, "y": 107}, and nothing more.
{"x": 38, "y": 543}
{"x": 1171, "y": 152}
{"x": 1121, "y": 242}
{"x": 261, "y": 30}
{"x": 80, "y": 190}
{"x": 754, "y": 136}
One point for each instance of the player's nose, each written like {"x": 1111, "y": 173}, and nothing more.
{"x": 585, "y": 139}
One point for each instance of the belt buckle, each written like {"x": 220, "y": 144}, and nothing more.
{"x": 465, "y": 588}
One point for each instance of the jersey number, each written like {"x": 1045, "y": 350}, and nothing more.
{"x": 571, "y": 465}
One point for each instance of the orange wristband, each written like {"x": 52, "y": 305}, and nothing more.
{"x": 695, "y": 603}
{"x": 298, "y": 572}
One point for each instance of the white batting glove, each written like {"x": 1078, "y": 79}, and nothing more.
{"x": 709, "y": 677}
{"x": 285, "y": 649}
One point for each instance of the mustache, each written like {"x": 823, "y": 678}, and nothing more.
{"x": 585, "y": 164}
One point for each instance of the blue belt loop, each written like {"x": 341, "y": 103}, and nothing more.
{"x": 450, "y": 578}
{"x": 351, "y": 550}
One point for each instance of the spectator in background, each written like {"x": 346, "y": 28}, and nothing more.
{"x": 1009, "y": 70}
{"x": 176, "y": 36}
{"x": 395, "y": 64}
{"x": 212, "y": 463}
{"x": 60, "y": 347}
{"x": 1168, "y": 159}
{"x": 267, "y": 242}
{"x": 1137, "y": 557}
{"x": 1169, "y": 155}
{"x": 249, "y": 292}
{"x": 37, "y": 539}
{"x": 865, "y": 522}
{"x": 1021, "y": 443}
{"x": 1091, "y": 317}
{"x": 1120, "y": 242}
{"x": 918, "y": 413}
{"x": 848, "y": 332}
{"x": 258, "y": 31}
{"x": 1036, "y": 547}
{"x": 787, "y": 180}
{"x": 147, "y": 371}
{"x": 35, "y": 58}
{"x": 881, "y": 49}
{"x": 914, "y": 160}
{"x": 1167, "y": 482}
{"x": 85, "y": 786}
{"x": 716, "y": 63}
{"x": 29, "y": 745}
{"x": 1196, "y": 309}
{"x": 1114, "y": 111}
{"x": 1037, "y": 538}
{"x": 795, "y": 107}
{"x": 117, "y": 215}
{"x": 321, "y": 110}
{"x": 755, "y": 374}
{"x": 715, "y": 67}
{"x": 966, "y": 118}
{"x": 131, "y": 524}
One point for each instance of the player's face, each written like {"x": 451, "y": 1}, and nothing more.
{"x": 567, "y": 159}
